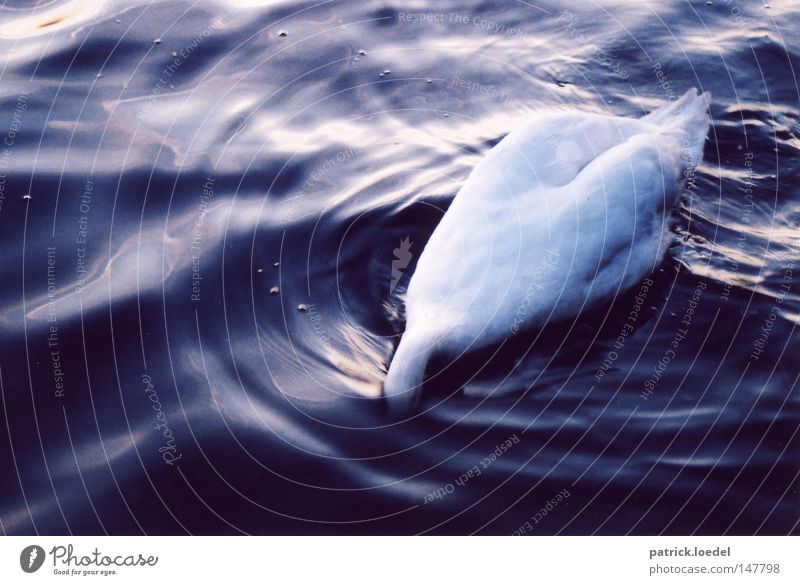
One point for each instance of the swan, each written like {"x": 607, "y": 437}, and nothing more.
{"x": 569, "y": 209}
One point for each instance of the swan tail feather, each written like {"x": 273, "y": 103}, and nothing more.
{"x": 689, "y": 114}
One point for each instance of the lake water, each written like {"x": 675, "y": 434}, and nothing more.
{"x": 209, "y": 212}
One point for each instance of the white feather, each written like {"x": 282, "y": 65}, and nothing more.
{"x": 567, "y": 210}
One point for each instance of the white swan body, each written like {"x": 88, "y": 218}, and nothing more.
{"x": 567, "y": 210}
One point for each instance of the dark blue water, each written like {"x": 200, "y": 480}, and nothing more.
{"x": 209, "y": 212}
